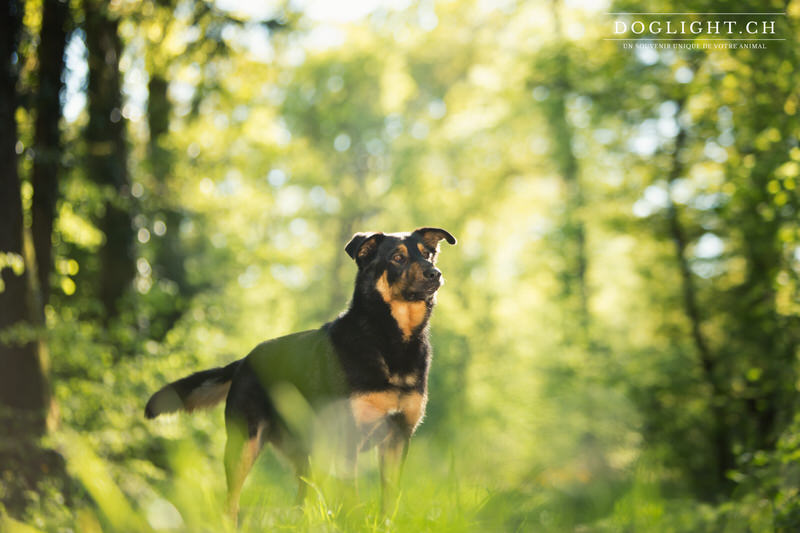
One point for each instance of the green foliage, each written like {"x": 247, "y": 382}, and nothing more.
{"x": 616, "y": 345}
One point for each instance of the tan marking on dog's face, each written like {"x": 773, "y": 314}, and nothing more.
{"x": 384, "y": 289}
{"x": 370, "y": 407}
{"x": 408, "y": 315}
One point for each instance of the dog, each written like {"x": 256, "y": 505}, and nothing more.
{"x": 373, "y": 359}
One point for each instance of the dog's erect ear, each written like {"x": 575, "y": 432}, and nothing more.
{"x": 363, "y": 245}
{"x": 432, "y": 236}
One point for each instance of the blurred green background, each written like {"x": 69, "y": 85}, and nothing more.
{"x": 616, "y": 346}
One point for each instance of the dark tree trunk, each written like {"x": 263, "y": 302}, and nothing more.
{"x": 47, "y": 143}
{"x": 575, "y": 286}
{"x": 720, "y": 434}
{"x": 158, "y": 111}
{"x": 107, "y": 154}
{"x": 170, "y": 252}
{"x": 23, "y": 387}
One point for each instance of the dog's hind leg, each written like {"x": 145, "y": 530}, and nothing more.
{"x": 241, "y": 450}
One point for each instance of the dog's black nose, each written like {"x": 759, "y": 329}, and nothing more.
{"x": 432, "y": 274}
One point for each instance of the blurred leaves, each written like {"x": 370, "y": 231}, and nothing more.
{"x": 277, "y": 141}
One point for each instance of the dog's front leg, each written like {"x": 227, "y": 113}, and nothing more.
{"x": 351, "y": 449}
{"x": 393, "y": 451}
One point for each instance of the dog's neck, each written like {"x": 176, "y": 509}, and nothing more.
{"x": 409, "y": 319}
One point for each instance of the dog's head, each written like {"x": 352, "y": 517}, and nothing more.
{"x": 400, "y": 266}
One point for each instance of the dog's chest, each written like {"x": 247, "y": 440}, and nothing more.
{"x": 371, "y": 407}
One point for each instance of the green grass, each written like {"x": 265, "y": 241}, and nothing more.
{"x": 190, "y": 495}
{"x": 449, "y": 485}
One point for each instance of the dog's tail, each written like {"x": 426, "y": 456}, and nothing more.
{"x": 201, "y": 390}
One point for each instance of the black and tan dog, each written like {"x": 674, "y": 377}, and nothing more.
{"x": 373, "y": 359}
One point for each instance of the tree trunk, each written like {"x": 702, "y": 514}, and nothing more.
{"x": 169, "y": 253}
{"x": 107, "y": 154}
{"x": 575, "y": 287}
{"x": 720, "y": 434}
{"x": 169, "y": 257}
{"x": 47, "y": 143}
{"x": 23, "y": 387}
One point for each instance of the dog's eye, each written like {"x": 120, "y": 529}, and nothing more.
{"x": 398, "y": 258}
